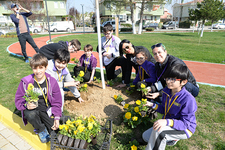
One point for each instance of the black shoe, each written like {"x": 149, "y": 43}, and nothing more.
{"x": 63, "y": 119}
{"x": 118, "y": 71}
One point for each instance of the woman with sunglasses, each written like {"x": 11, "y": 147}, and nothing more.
{"x": 130, "y": 50}
{"x": 164, "y": 63}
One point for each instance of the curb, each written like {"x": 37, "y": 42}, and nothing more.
{"x": 26, "y": 132}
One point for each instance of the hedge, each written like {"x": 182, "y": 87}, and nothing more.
{"x": 126, "y": 29}
{"x": 184, "y": 24}
{"x": 127, "y": 25}
{"x": 149, "y": 29}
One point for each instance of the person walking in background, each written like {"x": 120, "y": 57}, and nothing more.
{"x": 22, "y": 28}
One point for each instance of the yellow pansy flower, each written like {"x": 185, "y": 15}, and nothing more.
{"x": 94, "y": 78}
{"x": 80, "y": 128}
{"x": 60, "y": 127}
{"x": 144, "y": 100}
{"x": 75, "y": 132}
{"x": 128, "y": 115}
{"x": 138, "y": 102}
{"x": 85, "y": 85}
{"x": 126, "y": 106}
{"x": 81, "y": 74}
{"x": 135, "y": 118}
{"x": 78, "y": 122}
{"x": 142, "y": 86}
{"x": 68, "y": 122}
{"x": 72, "y": 59}
{"x": 115, "y": 96}
{"x": 90, "y": 126}
{"x": 133, "y": 147}
{"x": 30, "y": 86}
{"x": 136, "y": 109}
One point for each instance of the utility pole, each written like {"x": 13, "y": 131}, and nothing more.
{"x": 48, "y": 21}
{"x": 83, "y": 18}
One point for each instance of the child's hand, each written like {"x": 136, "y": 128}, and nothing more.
{"x": 76, "y": 83}
{"x": 78, "y": 64}
{"x": 108, "y": 55}
{"x": 121, "y": 85}
{"x": 31, "y": 106}
{"x": 152, "y": 95}
{"x": 149, "y": 104}
{"x": 80, "y": 100}
{"x": 55, "y": 125}
{"x": 90, "y": 81}
{"x": 159, "y": 124}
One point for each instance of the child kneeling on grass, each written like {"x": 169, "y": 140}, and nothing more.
{"x": 178, "y": 107}
{"x": 88, "y": 63}
{"x": 44, "y": 117}
{"x": 57, "y": 69}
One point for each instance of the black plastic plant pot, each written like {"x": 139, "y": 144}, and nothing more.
{"x": 60, "y": 136}
{"x": 70, "y": 142}
{"x": 83, "y": 144}
{"x": 76, "y": 143}
{"x": 64, "y": 140}
{"x": 93, "y": 140}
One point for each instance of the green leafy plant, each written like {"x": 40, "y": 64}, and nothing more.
{"x": 118, "y": 98}
{"x": 134, "y": 116}
{"x": 98, "y": 80}
{"x": 75, "y": 60}
{"x": 131, "y": 89}
{"x": 79, "y": 77}
{"x": 83, "y": 88}
{"x": 30, "y": 95}
{"x": 143, "y": 89}
{"x": 110, "y": 83}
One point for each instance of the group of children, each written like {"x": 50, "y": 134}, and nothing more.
{"x": 51, "y": 76}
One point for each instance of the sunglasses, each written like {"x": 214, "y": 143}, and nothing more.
{"x": 172, "y": 79}
{"x": 125, "y": 49}
{"x": 158, "y": 45}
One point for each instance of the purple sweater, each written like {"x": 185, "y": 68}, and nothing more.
{"x": 54, "y": 95}
{"x": 93, "y": 62}
{"x": 182, "y": 111}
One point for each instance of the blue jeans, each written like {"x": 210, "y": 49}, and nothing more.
{"x": 23, "y": 37}
{"x": 193, "y": 89}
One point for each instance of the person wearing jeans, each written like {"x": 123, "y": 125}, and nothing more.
{"x": 22, "y": 28}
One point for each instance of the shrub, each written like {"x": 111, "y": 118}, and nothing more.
{"x": 185, "y": 24}
{"x": 126, "y": 29}
{"x": 209, "y": 23}
{"x": 127, "y": 25}
{"x": 95, "y": 29}
{"x": 149, "y": 29}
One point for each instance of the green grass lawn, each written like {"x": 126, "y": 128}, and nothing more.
{"x": 210, "y": 132}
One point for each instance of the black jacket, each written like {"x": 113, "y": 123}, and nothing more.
{"x": 168, "y": 63}
{"x": 50, "y": 49}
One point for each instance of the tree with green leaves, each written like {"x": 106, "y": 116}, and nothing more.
{"x": 207, "y": 10}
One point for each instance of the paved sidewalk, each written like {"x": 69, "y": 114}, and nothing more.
{"x": 10, "y": 140}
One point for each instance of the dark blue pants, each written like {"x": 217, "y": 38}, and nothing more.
{"x": 27, "y": 37}
{"x": 193, "y": 89}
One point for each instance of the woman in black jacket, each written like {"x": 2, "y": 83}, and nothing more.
{"x": 130, "y": 51}
{"x": 164, "y": 62}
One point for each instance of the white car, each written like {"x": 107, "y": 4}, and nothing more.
{"x": 219, "y": 26}
{"x": 35, "y": 29}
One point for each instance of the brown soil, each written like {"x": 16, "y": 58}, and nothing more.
{"x": 99, "y": 102}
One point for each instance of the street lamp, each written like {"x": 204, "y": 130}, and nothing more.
{"x": 83, "y": 17}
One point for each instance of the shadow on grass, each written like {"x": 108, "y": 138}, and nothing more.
{"x": 177, "y": 34}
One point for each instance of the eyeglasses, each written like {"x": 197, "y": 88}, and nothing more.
{"x": 140, "y": 58}
{"x": 74, "y": 48}
{"x": 158, "y": 45}
{"x": 107, "y": 33}
{"x": 125, "y": 49}
{"x": 171, "y": 79}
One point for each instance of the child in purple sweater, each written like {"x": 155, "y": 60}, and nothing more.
{"x": 44, "y": 117}
{"x": 178, "y": 107}
{"x": 88, "y": 63}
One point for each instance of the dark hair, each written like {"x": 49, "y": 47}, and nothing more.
{"x": 142, "y": 51}
{"x": 38, "y": 60}
{"x": 178, "y": 71}
{"x": 88, "y": 47}
{"x": 76, "y": 43}
{"x": 121, "y": 45}
{"x": 107, "y": 27}
{"x": 62, "y": 55}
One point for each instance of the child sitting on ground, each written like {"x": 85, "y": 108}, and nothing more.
{"x": 57, "y": 69}
{"x": 178, "y": 107}
{"x": 146, "y": 70}
{"x": 88, "y": 63}
{"x": 44, "y": 117}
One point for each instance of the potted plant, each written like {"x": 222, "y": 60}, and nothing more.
{"x": 30, "y": 95}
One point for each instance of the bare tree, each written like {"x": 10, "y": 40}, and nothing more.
{"x": 73, "y": 12}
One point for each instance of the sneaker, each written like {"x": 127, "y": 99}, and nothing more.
{"x": 26, "y": 60}
{"x": 44, "y": 136}
{"x": 118, "y": 71}
{"x": 171, "y": 142}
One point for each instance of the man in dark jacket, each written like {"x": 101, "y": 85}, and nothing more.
{"x": 50, "y": 49}
{"x": 130, "y": 51}
{"x": 22, "y": 28}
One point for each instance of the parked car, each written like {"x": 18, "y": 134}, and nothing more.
{"x": 151, "y": 25}
{"x": 219, "y": 26}
{"x": 170, "y": 25}
{"x": 35, "y": 29}
{"x": 113, "y": 23}
{"x": 62, "y": 26}
{"x": 3, "y": 32}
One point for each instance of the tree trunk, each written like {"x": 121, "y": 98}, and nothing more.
{"x": 202, "y": 30}
{"x": 141, "y": 16}
{"x": 212, "y": 27}
{"x": 132, "y": 16}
